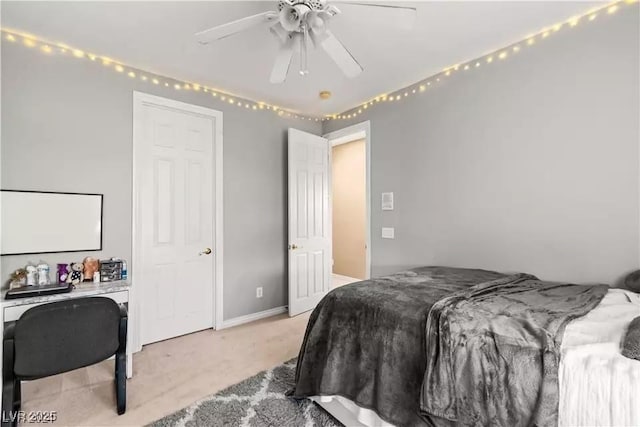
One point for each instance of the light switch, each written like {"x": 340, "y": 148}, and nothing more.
{"x": 388, "y": 232}
{"x": 387, "y": 201}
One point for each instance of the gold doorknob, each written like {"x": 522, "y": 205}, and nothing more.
{"x": 206, "y": 251}
{"x": 293, "y": 247}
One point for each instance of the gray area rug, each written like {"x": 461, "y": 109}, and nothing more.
{"x": 256, "y": 401}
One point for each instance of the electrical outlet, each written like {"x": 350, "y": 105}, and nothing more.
{"x": 259, "y": 292}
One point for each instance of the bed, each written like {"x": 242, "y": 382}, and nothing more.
{"x": 448, "y": 346}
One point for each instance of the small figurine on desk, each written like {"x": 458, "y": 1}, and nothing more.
{"x": 76, "y": 274}
{"x": 31, "y": 275}
{"x": 43, "y": 274}
{"x": 18, "y": 278}
{"x": 63, "y": 273}
{"x": 91, "y": 265}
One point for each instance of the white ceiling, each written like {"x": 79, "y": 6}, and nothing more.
{"x": 157, "y": 36}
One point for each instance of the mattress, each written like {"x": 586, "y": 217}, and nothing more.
{"x": 598, "y": 386}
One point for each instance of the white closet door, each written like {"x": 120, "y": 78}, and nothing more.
{"x": 176, "y": 203}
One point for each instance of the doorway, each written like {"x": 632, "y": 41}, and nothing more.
{"x": 350, "y": 204}
{"x": 177, "y": 214}
{"x": 310, "y": 224}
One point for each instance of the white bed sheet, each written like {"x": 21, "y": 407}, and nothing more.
{"x": 598, "y": 386}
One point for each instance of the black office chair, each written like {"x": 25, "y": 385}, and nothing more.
{"x": 62, "y": 336}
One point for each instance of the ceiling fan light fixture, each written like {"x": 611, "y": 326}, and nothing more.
{"x": 290, "y": 17}
{"x": 315, "y": 21}
{"x": 279, "y": 31}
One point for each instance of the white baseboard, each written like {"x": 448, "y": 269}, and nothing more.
{"x": 240, "y": 320}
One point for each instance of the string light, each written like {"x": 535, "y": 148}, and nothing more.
{"x": 502, "y": 54}
{"x": 31, "y": 41}
{"x": 45, "y": 47}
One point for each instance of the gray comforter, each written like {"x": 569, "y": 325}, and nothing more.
{"x": 493, "y": 350}
{"x": 371, "y": 343}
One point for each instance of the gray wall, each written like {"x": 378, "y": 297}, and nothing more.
{"x": 67, "y": 126}
{"x": 530, "y": 164}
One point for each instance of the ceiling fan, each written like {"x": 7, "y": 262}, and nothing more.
{"x": 299, "y": 21}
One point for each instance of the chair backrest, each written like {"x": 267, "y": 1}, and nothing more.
{"x": 65, "y": 335}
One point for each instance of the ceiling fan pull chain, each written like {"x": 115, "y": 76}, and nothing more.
{"x": 304, "y": 69}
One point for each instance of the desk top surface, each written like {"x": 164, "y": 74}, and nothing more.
{"x": 81, "y": 290}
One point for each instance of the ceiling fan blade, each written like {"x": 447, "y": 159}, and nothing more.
{"x": 283, "y": 59}
{"x": 401, "y": 16}
{"x": 234, "y": 27}
{"x": 340, "y": 55}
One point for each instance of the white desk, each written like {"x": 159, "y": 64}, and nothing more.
{"x": 119, "y": 291}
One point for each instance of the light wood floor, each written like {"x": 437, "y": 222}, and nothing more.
{"x": 169, "y": 375}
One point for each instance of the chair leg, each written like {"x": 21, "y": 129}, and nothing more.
{"x": 9, "y": 415}
{"x": 17, "y": 396}
{"x": 121, "y": 382}
{"x": 9, "y": 381}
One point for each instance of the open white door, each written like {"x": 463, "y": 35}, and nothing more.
{"x": 309, "y": 221}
